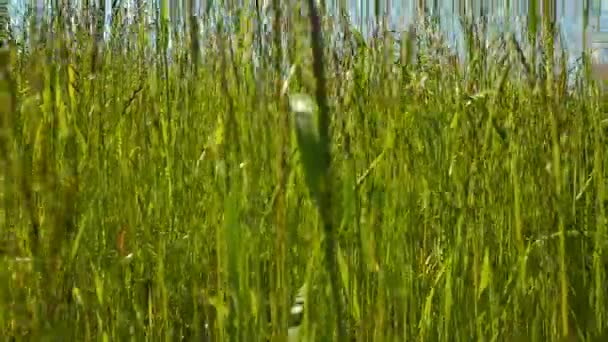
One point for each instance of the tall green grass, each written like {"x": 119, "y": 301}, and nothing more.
{"x": 156, "y": 193}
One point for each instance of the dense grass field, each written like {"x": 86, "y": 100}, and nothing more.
{"x": 186, "y": 191}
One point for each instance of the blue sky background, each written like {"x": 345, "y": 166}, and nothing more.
{"x": 401, "y": 14}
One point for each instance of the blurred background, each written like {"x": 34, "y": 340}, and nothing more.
{"x": 571, "y": 16}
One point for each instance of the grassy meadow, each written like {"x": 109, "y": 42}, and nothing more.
{"x": 156, "y": 187}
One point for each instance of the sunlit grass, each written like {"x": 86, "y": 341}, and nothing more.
{"x": 162, "y": 194}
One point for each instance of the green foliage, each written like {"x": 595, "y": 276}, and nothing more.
{"x": 143, "y": 197}
{"x": 303, "y": 108}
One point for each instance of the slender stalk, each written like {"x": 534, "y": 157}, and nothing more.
{"x": 325, "y": 201}
{"x": 280, "y": 316}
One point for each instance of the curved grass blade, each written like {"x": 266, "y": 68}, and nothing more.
{"x": 303, "y": 108}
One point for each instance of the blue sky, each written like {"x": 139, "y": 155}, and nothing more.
{"x": 402, "y": 13}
